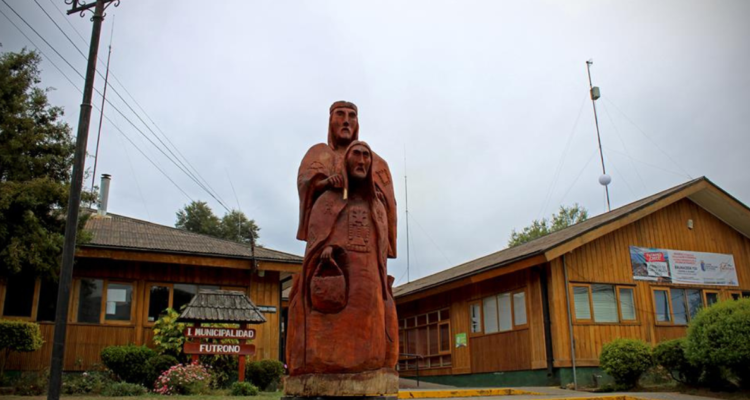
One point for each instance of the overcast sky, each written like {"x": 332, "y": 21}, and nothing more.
{"x": 483, "y": 104}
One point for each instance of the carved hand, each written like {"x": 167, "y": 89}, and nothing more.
{"x": 381, "y": 195}
{"x": 327, "y": 253}
{"x": 334, "y": 181}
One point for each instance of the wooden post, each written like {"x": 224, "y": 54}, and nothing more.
{"x": 242, "y": 358}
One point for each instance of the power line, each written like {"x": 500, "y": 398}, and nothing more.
{"x": 185, "y": 169}
{"x": 617, "y": 132}
{"x": 191, "y": 176}
{"x": 577, "y": 177}
{"x": 105, "y": 116}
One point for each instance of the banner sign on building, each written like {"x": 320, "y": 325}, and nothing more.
{"x": 683, "y": 267}
{"x": 219, "y": 333}
{"x": 218, "y": 348}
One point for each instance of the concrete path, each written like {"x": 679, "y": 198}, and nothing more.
{"x": 541, "y": 393}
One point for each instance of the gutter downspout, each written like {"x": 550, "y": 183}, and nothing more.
{"x": 570, "y": 325}
{"x": 547, "y": 322}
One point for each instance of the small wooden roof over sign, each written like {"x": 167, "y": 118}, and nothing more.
{"x": 222, "y": 306}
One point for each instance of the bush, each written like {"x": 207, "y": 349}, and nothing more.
{"x": 90, "y": 382}
{"x": 129, "y": 362}
{"x": 187, "y": 379}
{"x": 224, "y": 368}
{"x": 158, "y": 364}
{"x": 168, "y": 334}
{"x": 265, "y": 374}
{"x": 18, "y": 336}
{"x": 671, "y": 356}
{"x": 243, "y": 389}
{"x": 718, "y": 339}
{"x": 625, "y": 360}
{"x": 124, "y": 389}
{"x": 32, "y": 383}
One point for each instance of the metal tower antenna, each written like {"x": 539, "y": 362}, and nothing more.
{"x": 605, "y": 179}
{"x": 406, "y": 195}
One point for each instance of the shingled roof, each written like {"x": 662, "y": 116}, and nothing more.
{"x": 709, "y": 196}
{"x": 221, "y": 306}
{"x": 125, "y": 233}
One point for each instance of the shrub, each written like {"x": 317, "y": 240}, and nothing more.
{"x": 90, "y": 382}
{"x": 158, "y": 364}
{"x": 625, "y": 360}
{"x": 32, "y": 383}
{"x": 187, "y": 379}
{"x": 671, "y": 356}
{"x": 243, "y": 389}
{"x": 168, "y": 334}
{"x": 18, "y": 336}
{"x": 129, "y": 362}
{"x": 718, "y": 339}
{"x": 265, "y": 374}
{"x": 224, "y": 369}
{"x": 123, "y": 389}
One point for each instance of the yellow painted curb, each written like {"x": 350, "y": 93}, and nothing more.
{"x": 442, "y": 394}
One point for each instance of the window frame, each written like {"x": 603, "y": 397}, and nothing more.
{"x": 513, "y": 308}
{"x": 34, "y": 302}
{"x": 704, "y": 296}
{"x": 427, "y": 361}
{"x": 73, "y": 312}
{"x": 147, "y": 299}
{"x": 668, "y": 289}
{"x": 616, "y": 287}
{"x": 478, "y": 303}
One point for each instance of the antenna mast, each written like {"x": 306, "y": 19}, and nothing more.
{"x": 406, "y": 195}
{"x": 101, "y": 111}
{"x": 605, "y": 179}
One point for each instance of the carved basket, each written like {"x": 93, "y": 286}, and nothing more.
{"x": 328, "y": 288}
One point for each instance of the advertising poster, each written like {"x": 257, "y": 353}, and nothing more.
{"x": 683, "y": 267}
{"x": 460, "y": 340}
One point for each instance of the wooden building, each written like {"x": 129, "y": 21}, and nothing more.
{"x": 129, "y": 273}
{"x": 507, "y": 318}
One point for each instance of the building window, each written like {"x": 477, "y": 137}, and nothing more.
{"x": 499, "y": 313}
{"x": 47, "y": 306}
{"x": 427, "y": 335}
{"x": 167, "y": 295}
{"x": 101, "y": 301}
{"x": 736, "y": 295}
{"x": 19, "y": 296}
{"x": 475, "y": 311}
{"x": 602, "y": 303}
{"x": 678, "y": 306}
{"x": 90, "y": 300}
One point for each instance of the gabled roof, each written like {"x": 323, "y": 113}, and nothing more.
{"x": 701, "y": 191}
{"x": 221, "y": 306}
{"x": 125, "y": 233}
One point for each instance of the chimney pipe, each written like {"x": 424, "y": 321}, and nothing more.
{"x": 104, "y": 194}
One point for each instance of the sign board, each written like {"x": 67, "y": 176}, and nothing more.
{"x": 218, "y": 348}
{"x": 219, "y": 333}
{"x": 683, "y": 267}
{"x": 461, "y": 340}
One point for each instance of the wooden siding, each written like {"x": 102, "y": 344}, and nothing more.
{"x": 507, "y": 351}
{"x": 85, "y": 341}
{"x": 607, "y": 260}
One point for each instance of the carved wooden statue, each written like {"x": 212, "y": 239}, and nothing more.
{"x": 343, "y": 330}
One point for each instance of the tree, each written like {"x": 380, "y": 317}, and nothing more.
{"x": 199, "y": 218}
{"x": 36, "y": 157}
{"x": 237, "y": 227}
{"x": 564, "y": 218}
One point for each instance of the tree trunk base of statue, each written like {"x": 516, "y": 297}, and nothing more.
{"x": 381, "y": 384}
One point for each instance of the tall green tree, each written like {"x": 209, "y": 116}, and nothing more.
{"x": 237, "y": 227}
{"x": 565, "y": 217}
{"x": 36, "y": 157}
{"x": 199, "y": 218}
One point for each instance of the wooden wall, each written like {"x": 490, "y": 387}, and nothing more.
{"x": 607, "y": 260}
{"x": 85, "y": 341}
{"x": 505, "y": 351}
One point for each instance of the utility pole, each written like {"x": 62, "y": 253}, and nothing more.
{"x": 74, "y": 198}
{"x": 101, "y": 114}
{"x": 605, "y": 179}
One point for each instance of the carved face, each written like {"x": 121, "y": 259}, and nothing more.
{"x": 358, "y": 162}
{"x": 344, "y": 125}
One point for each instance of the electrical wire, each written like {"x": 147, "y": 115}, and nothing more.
{"x": 578, "y": 176}
{"x": 97, "y": 108}
{"x": 176, "y": 163}
{"x": 201, "y": 181}
{"x": 617, "y": 133}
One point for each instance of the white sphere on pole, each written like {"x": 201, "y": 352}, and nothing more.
{"x": 605, "y": 180}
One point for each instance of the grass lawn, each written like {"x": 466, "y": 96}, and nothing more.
{"x": 217, "y": 396}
